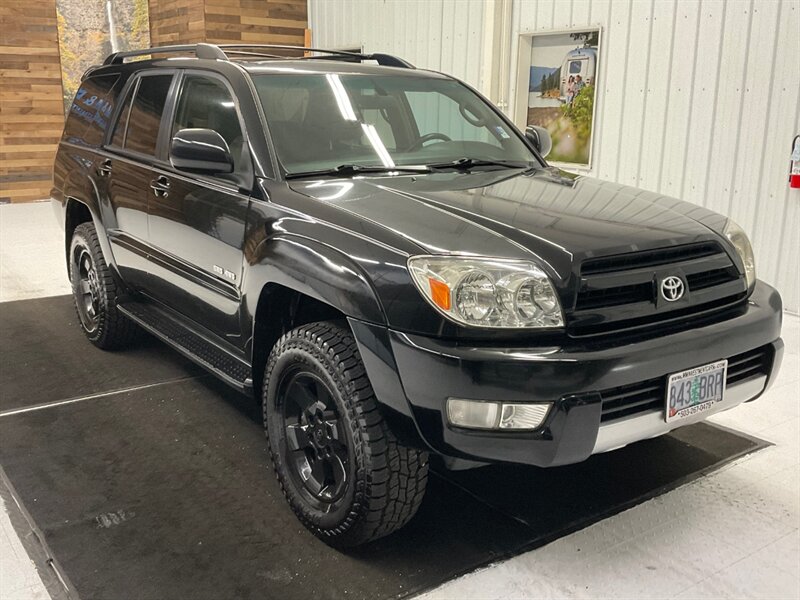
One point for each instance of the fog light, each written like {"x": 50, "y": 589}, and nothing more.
{"x": 474, "y": 414}
{"x": 523, "y": 416}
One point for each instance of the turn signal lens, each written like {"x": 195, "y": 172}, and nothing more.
{"x": 523, "y": 416}
{"x": 475, "y": 414}
{"x": 440, "y": 293}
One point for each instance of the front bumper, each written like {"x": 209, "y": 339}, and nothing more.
{"x": 414, "y": 375}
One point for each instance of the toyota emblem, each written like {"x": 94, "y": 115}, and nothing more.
{"x": 672, "y": 288}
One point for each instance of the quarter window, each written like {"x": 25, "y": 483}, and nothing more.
{"x": 145, "y": 114}
{"x": 90, "y": 110}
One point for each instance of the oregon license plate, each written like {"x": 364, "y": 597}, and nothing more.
{"x": 695, "y": 390}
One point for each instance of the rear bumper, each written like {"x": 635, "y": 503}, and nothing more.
{"x": 414, "y": 375}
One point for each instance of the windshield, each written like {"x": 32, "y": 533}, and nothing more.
{"x": 320, "y": 121}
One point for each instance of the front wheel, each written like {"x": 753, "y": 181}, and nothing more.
{"x": 343, "y": 472}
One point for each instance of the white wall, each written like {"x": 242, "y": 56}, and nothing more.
{"x": 697, "y": 99}
{"x": 445, "y": 36}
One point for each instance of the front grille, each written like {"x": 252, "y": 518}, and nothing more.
{"x": 647, "y": 396}
{"x": 649, "y": 258}
{"x": 614, "y": 296}
{"x": 707, "y": 279}
{"x": 619, "y": 294}
{"x": 668, "y": 322}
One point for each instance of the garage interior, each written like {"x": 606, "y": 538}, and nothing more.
{"x": 137, "y": 475}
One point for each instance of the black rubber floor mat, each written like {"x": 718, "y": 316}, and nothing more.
{"x": 44, "y": 357}
{"x": 166, "y": 491}
{"x": 555, "y": 502}
{"x": 169, "y": 492}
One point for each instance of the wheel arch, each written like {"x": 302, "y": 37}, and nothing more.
{"x": 280, "y": 309}
{"x": 301, "y": 281}
{"x": 284, "y": 269}
{"x": 81, "y": 205}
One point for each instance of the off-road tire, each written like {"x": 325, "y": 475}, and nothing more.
{"x": 388, "y": 479}
{"x": 112, "y": 330}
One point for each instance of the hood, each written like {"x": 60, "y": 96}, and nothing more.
{"x": 548, "y": 215}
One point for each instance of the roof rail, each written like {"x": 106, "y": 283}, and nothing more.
{"x": 223, "y": 52}
{"x": 200, "y": 51}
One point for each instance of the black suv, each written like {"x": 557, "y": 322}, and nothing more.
{"x": 390, "y": 267}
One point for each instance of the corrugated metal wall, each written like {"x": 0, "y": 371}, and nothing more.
{"x": 698, "y": 99}
{"x": 445, "y": 36}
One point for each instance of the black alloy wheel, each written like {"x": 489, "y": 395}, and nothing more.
{"x": 315, "y": 445}
{"x": 87, "y": 294}
{"x": 343, "y": 472}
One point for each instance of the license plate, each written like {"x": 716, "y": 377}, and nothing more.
{"x": 695, "y": 390}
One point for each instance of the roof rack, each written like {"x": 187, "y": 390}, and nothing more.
{"x": 226, "y": 51}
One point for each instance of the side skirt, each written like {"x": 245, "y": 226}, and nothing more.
{"x": 217, "y": 360}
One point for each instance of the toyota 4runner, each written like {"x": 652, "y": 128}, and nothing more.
{"x": 391, "y": 268}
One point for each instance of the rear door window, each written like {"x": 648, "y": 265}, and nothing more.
{"x": 145, "y": 114}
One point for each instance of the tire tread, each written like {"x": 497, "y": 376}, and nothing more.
{"x": 393, "y": 485}
{"x": 114, "y": 330}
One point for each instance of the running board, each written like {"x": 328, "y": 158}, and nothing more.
{"x": 220, "y": 362}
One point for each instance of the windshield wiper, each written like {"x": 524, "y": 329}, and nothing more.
{"x": 465, "y": 164}
{"x": 350, "y": 170}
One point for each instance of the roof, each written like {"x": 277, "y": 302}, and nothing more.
{"x": 341, "y": 67}
{"x": 266, "y": 58}
{"x": 262, "y": 59}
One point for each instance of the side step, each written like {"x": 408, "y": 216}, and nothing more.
{"x": 217, "y": 360}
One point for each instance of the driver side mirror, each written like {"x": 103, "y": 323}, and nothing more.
{"x": 540, "y": 138}
{"x": 202, "y": 151}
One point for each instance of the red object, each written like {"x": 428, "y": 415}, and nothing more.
{"x": 794, "y": 164}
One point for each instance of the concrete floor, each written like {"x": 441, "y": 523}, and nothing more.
{"x": 732, "y": 534}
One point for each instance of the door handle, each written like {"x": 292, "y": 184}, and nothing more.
{"x": 160, "y": 186}
{"x": 104, "y": 168}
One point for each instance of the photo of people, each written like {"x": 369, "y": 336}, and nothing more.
{"x": 561, "y": 91}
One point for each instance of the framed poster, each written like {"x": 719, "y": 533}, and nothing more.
{"x": 556, "y": 89}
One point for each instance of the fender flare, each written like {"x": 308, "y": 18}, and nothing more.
{"x": 331, "y": 277}
{"x": 314, "y": 269}
{"x": 87, "y": 194}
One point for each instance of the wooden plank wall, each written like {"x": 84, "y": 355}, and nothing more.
{"x": 228, "y": 21}
{"x": 31, "y": 109}
{"x": 176, "y": 22}
{"x": 256, "y": 21}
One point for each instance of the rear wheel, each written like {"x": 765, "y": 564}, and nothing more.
{"x": 343, "y": 472}
{"x": 95, "y": 292}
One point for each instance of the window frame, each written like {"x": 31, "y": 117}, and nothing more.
{"x": 171, "y": 108}
{"x": 130, "y": 90}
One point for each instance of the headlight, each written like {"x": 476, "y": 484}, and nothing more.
{"x": 738, "y": 238}
{"x": 488, "y": 292}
